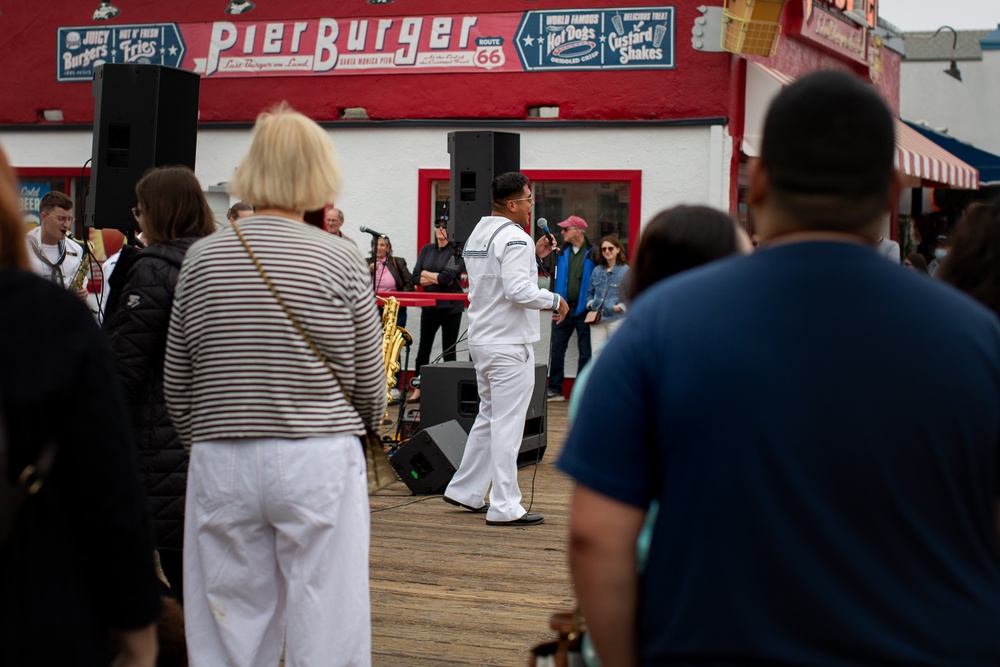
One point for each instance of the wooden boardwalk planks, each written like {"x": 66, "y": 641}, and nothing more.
{"x": 449, "y": 590}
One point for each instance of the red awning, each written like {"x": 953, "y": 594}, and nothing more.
{"x": 916, "y": 156}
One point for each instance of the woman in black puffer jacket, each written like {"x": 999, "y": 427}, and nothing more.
{"x": 172, "y": 214}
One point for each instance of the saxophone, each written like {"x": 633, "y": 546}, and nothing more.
{"x": 394, "y": 338}
{"x": 76, "y": 284}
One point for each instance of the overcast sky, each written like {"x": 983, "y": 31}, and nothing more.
{"x": 911, "y": 15}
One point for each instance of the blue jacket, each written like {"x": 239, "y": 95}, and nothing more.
{"x": 601, "y": 283}
{"x": 562, "y": 275}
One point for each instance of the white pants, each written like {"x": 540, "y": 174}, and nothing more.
{"x": 600, "y": 333}
{"x": 276, "y": 547}
{"x": 505, "y": 376}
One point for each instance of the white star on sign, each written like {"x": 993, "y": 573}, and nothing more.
{"x": 172, "y": 50}
{"x": 529, "y": 40}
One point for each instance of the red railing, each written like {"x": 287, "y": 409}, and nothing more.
{"x": 422, "y": 299}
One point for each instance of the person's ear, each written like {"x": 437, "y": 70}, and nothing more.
{"x": 760, "y": 182}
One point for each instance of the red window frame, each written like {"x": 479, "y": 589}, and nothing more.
{"x": 67, "y": 174}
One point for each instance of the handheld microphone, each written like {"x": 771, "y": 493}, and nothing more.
{"x": 543, "y": 225}
{"x": 366, "y": 230}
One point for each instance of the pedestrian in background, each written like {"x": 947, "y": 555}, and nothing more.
{"x": 973, "y": 265}
{"x": 172, "y": 214}
{"x": 77, "y": 581}
{"x": 276, "y": 522}
{"x": 574, "y": 264}
{"x": 439, "y": 269}
{"x": 749, "y": 398}
{"x": 603, "y": 296}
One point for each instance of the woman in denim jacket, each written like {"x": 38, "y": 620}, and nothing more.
{"x": 603, "y": 294}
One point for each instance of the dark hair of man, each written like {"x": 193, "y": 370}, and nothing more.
{"x": 620, "y": 259}
{"x": 828, "y": 149}
{"x": 507, "y": 185}
{"x": 973, "y": 264}
{"x": 55, "y": 199}
{"x": 679, "y": 239}
{"x": 173, "y": 205}
{"x": 234, "y": 210}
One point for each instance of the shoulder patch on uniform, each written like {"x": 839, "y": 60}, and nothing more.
{"x": 510, "y": 243}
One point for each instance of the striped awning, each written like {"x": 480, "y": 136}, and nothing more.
{"x": 918, "y": 156}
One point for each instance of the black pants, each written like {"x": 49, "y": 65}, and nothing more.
{"x": 561, "y": 333}
{"x": 430, "y": 321}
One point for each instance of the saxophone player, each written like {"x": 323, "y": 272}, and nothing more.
{"x": 53, "y": 255}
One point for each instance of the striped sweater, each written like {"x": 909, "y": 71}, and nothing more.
{"x": 236, "y": 367}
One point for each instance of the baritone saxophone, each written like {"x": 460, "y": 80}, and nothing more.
{"x": 394, "y": 339}
{"x": 76, "y": 284}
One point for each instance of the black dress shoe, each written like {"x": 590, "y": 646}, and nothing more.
{"x": 526, "y": 520}
{"x": 476, "y": 510}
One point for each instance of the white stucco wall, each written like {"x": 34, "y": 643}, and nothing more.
{"x": 688, "y": 165}
{"x": 967, "y": 108}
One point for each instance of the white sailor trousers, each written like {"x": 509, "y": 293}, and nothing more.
{"x": 505, "y": 377}
{"x": 276, "y": 548}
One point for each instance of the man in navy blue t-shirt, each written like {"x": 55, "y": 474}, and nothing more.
{"x": 821, "y": 503}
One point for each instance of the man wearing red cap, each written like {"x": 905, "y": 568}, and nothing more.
{"x": 574, "y": 265}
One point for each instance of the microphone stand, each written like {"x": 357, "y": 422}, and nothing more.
{"x": 374, "y": 264}
{"x": 402, "y": 400}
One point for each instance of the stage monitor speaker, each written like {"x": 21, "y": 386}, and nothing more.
{"x": 448, "y": 391}
{"x": 145, "y": 116}
{"x": 427, "y": 461}
{"x": 476, "y": 157}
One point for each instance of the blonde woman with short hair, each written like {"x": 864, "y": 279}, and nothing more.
{"x": 277, "y": 523}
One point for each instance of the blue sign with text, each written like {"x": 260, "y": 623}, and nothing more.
{"x": 30, "y": 199}
{"x": 621, "y": 38}
{"x": 80, "y": 49}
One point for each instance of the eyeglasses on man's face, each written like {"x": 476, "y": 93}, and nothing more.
{"x": 530, "y": 200}
{"x": 62, "y": 219}
{"x": 441, "y": 225}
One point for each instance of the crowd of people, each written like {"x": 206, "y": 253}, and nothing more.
{"x": 754, "y": 497}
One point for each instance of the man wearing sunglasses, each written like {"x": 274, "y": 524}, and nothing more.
{"x": 576, "y": 261}
{"x": 503, "y": 293}
{"x": 53, "y": 257}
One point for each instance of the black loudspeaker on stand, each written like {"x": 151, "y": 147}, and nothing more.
{"x": 476, "y": 157}
{"x": 448, "y": 391}
{"x": 144, "y": 116}
{"x": 427, "y": 461}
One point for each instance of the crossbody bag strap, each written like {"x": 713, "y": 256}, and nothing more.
{"x": 291, "y": 316}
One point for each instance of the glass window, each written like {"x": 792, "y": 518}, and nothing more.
{"x": 603, "y": 199}
{"x": 603, "y": 204}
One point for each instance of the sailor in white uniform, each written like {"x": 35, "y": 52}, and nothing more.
{"x": 503, "y": 292}
{"x": 53, "y": 256}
